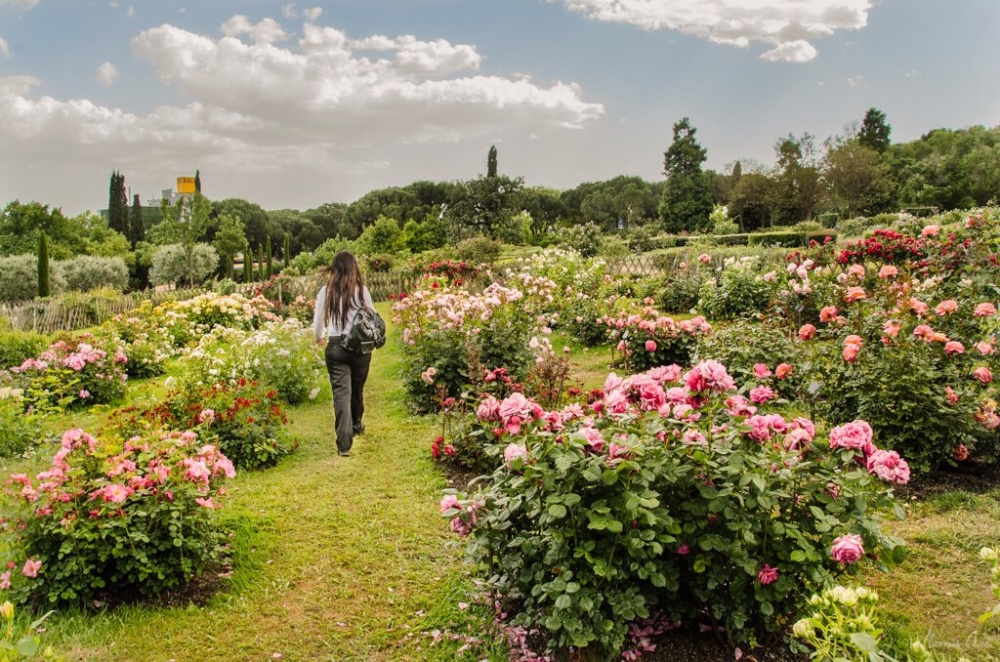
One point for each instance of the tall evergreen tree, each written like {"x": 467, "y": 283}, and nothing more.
{"x": 267, "y": 259}
{"x": 260, "y": 262}
{"x": 874, "y": 131}
{"x": 197, "y": 181}
{"x": 247, "y": 264}
{"x": 491, "y": 162}
{"x": 687, "y": 196}
{"x": 286, "y": 251}
{"x": 118, "y": 205}
{"x": 136, "y": 226}
{"x": 44, "y": 289}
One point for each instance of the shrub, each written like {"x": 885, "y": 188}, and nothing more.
{"x": 19, "y": 278}
{"x": 243, "y": 420}
{"x": 87, "y": 272}
{"x": 452, "y": 338}
{"x": 742, "y": 345}
{"x": 16, "y": 346}
{"x": 73, "y": 371}
{"x": 613, "y": 247}
{"x": 725, "y": 227}
{"x": 170, "y": 264}
{"x": 738, "y": 291}
{"x": 282, "y": 355}
{"x": 478, "y": 250}
{"x": 20, "y": 427}
{"x": 147, "y": 345}
{"x": 680, "y": 292}
{"x": 672, "y": 494}
{"x": 649, "y": 340}
{"x": 843, "y": 625}
{"x": 584, "y": 239}
{"x": 117, "y": 520}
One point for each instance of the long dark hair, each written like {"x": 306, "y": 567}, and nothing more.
{"x": 344, "y": 283}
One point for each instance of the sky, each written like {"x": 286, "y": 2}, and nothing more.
{"x": 292, "y": 105}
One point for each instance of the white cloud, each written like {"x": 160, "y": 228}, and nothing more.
{"x": 18, "y": 5}
{"x": 266, "y": 31}
{"x": 106, "y": 74}
{"x": 854, "y": 81}
{"x": 793, "y": 51}
{"x": 787, "y": 25}
{"x": 289, "y": 11}
{"x": 259, "y": 107}
{"x": 130, "y": 12}
{"x": 911, "y": 73}
{"x": 4, "y": 47}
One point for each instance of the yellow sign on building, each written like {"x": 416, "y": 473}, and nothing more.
{"x": 185, "y": 185}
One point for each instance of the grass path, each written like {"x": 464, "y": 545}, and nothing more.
{"x": 335, "y": 558}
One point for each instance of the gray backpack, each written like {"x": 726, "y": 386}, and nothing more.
{"x": 367, "y": 332}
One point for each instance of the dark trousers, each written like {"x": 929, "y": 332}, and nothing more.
{"x": 348, "y": 372}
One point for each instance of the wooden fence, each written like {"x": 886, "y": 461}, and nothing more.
{"x": 79, "y": 311}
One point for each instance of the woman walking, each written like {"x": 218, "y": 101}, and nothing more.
{"x": 336, "y": 304}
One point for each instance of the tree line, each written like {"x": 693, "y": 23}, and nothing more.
{"x": 858, "y": 173}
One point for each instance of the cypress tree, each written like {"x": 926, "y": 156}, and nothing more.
{"x": 491, "y": 162}
{"x": 260, "y": 262}
{"x": 267, "y": 254}
{"x": 43, "y": 266}
{"x": 247, "y": 264}
{"x": 136, "y": 225}
{"x": 118, "y": 205}
{"x": 287, "y": 250}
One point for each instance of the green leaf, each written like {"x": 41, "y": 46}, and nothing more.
{"x": 28, "y": 647}
{"x": 564, "y": 462}
{"x": 798, "y": 556}
{"x": 609, "y": 477}
{"x": 557, "y": 511}
{"x": 865, "y": 642}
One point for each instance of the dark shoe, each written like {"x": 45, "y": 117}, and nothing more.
{"x": 359, "y": 430}
{"x": 344, "y": 453}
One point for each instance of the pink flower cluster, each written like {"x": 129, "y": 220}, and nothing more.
{"x": 858, "y": 436}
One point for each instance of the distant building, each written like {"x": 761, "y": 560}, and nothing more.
{"x": 152, "y": 214}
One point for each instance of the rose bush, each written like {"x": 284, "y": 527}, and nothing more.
{"x": 282, "y": 355}
{"x": 244, "y": 420}
{"x": 111, "y": 518}
{"x": 452, "y": 338}
{"x": 670, "y": 490}
{"x": 647, "y": 339}
{"x": 73, "y": 371}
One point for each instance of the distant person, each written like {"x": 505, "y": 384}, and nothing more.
{"x": 336, "y": 304}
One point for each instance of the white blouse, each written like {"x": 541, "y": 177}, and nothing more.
{"x": 333, "y": 328}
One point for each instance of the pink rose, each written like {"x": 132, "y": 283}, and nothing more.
{"x": 488, "y": 409}
{"x": 709, "y": 376}
{"x": 761, "y": 370}
{"x": 684, "y": 549}
{"x": 5, "y": 580}
{"x": 855, "y": 294}
{"x": 946, "y": 307}
{"x": 807, "y": 332}
{"x": 31, "y": 568}
{"x": 891, "y": 328}
{"x": 985, "y": 310}
{"x": 828, "y": 314}
{"x": 954, "y": 347}
{"x": 448, "y": 502}
{"x": 783, "y": 370}
{"x": 847, "y": 549}
{"x": 705, "y": 258}
{"x": 650, "y": 345}
{"x": 856, "y": 435}
{"x": 762, "y": 394}
{"x": 888, "y": 466}
{"x": 888, "y": 271}
{"x": 983, "y": 374}
{"x": 918, "y": 307}
{"x": 514, "y": 452}
{"x": 930, "y": 231}
{"x": 984, "y": 348}
{"x": 767, "y": 575}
